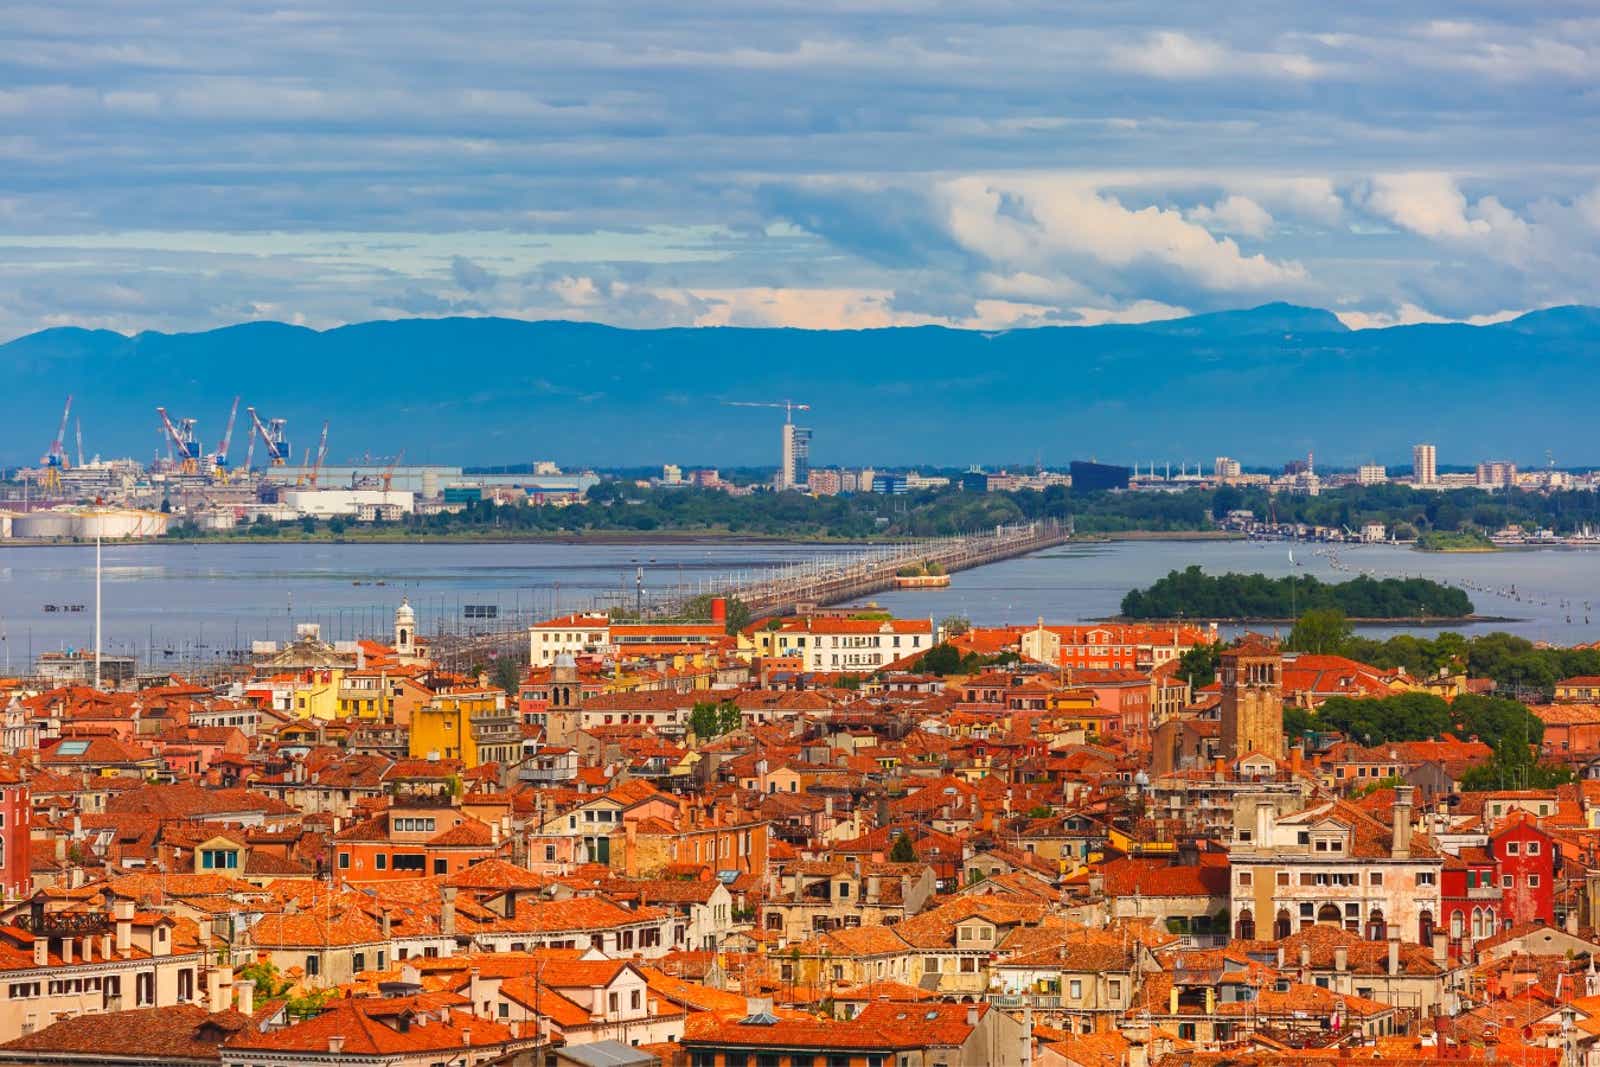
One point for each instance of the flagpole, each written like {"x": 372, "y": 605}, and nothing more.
{"x": 97, "y": 606}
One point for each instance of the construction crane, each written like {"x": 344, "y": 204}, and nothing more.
{"x": 305, "y": 466}
{"x": 219, "y": 458}
{"x": 79, "y": 426}
{"x": 185, "y": 446}
{"x": 789, "y": 406}
{"x": 250, "y": 449}
{"x": 55, "y": 460}
{"x": 273, "y": 436}
{"x": 322, "y": 454}
{"x": 388, "y": 474}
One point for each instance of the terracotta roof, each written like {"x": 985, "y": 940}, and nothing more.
{"x": 182, "y": 1031}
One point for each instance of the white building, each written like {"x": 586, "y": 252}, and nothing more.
{"x": 826, "y": 643}
{"x": 1424, "y": 465}
{"x": 1371, "y": 474}
{"x": 328, "y": 503}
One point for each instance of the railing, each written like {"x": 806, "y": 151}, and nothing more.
{"x": 64, "y": 923}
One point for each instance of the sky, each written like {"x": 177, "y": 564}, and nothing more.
{"x": 178, "y": 166}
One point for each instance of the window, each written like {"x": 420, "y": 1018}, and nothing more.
{"x": 1513, "y": 848}
{"x": 1375, "y": 878}
{"x": 344, "y": 861}
{"x": 969, "y": 965}
{"x": 1424, "y": 877}
{"x": 409, "y": 863}
{"x": 1244, "y": 877}
{"x": 381, "y": 861}
{"x": 1533, "y": 848}
{"x": 1075, "y": 989}
{"x": 1116, "y": 989}
{"x": 313, "y": 966}
{"x": 614, "y": 1000}
{"x": 1508, "y": 881}
{"x": 1533, "y": 881}
{"x": 358, "y": 962}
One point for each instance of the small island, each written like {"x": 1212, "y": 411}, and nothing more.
{"x": 921, "y": 576}
{"x": 1193, "y": 594}
{"x": 1455, "y": 541}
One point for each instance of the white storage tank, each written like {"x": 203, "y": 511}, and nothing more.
{"x": 43, "y": 524}
{"x": 114, "y": 524}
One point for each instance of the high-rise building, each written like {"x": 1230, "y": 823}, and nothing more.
{"x": 1227, "y": 469}
{"x": 1497, "y": 474}
{"x": 1371, "y": 474}
{"x": 1252, "y": 701}
{"x": 1424, "y": 465}
{"x": 796, "y": 470}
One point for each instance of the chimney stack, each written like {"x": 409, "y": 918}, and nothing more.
{"x": 246, "y": 989}
{"x": 1394, "y": 956}
{"x": 335, "y": 1044}
{"x": 447, "y": 911}
{"x": 1403, "y": 797}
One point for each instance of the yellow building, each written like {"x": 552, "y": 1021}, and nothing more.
{"x": 316, "y": 696}
{"x": 471, "y": 725}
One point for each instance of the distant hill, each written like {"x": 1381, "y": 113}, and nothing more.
{"x": 1261, "y": 385}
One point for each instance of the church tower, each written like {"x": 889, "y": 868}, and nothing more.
{"x": 1252, "y": 700}
{"x": 405, "y": 630}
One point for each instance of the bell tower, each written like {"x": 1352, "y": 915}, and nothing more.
{"x": 1252, "y": 700}
{"x": 405, "y": 630}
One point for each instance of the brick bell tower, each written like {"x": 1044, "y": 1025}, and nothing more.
{"x": 1252, "y": 700}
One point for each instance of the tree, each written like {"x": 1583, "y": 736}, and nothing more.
{"x": 1198, "y": 665}
{"x": 904, "y": 851}
{"x": 1297, "y": 722}
{"x": 729, "y": 717}
{"x": 955, "y": 625}
{"x": 1321, "y": 630}
{"x": 941, "y": 659}
{"x": 507, "y": 673}
{"x": 703, "y": 720}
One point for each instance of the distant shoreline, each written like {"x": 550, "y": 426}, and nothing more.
{"x": 1253, "y": 620}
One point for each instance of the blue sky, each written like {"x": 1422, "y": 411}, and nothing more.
{"x": 827, "y": 163}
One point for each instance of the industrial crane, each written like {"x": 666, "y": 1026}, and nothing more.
{"x": 322, "y": 454}
{"x": 55, "y": 460}
{"x": 789, "y": 406}
{"x": 79, "y": 426}
{"x": 250, "y": 449}
{"x": 273, "y": 436}
{"x": 219, "y": 458}
{"x": 388, "y": 474}
{"x": 186, "y": 448}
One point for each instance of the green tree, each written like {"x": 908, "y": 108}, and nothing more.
{"x": 1297, "y": 722}
{"x": 955, "y": 625}
{"x": 729, "y": 717}
{"x": 904, "y": 851}
{"x": 941, "y": 659}
{"x": 1198, "y": 665}
{"x": 507, "y": 674}
{"x": 703, "y": 720}
{"x": 1321, "y": 630}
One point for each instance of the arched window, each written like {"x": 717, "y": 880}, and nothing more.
{"x": 1329, "y": 913}
{"x": 1245, "y": 928}
{"x": 1425, "y": 927}
{"x": 1455, "y": 926}
{"x": 1282, "y": 928}
{"x": 1377, "y": 929}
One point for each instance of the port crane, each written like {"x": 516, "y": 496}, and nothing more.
{"x": 55, "y": 460}
{"x": 250, "y": 449}
{"x": 185, "y": 446}
{"x": 219, "y": 458}
{"x": 273, "y": 436}
{"x": 789, "y": 406}
{"x": 79, "y": 426}
{"x": 322, "y": 454}
{"x": 388, "y": 474}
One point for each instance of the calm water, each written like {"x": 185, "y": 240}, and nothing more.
{"x": 175, "y": 603}
{"x": 1083, "y": 582}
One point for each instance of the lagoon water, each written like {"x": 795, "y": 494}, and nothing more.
{"x": 174, "y": 603}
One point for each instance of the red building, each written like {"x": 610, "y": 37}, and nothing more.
{"x": 1527, "y": 859}
{"x": 16, "y": 850}
{"x": 1470, "y": 898}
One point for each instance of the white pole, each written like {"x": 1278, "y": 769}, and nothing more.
{"x": 97, "y": 607}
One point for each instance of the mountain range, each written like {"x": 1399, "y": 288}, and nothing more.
{"x": 1261, "y": 385}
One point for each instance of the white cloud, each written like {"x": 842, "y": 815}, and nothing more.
{"x": 1175, "y": 55}
{"x": 1409, "y": 314}
{"x": 1044, "y": 225}
{"x": 1233, "y": 214}
{"x": 1425, "y": 202}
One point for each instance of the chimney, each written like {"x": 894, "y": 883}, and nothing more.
{"x": 41, "y": 951}
{"x": 105, "y": 946}
{"x": 447, "y": 911}
{"x": 88, "y": 948}
{"x": 1403, "y": 796}
{"x": 1394, "y": 956}
{"x": 246, "y": 988}
{"x": 335, "y": 1044}
{"x": 1441, "y": 948}
{"x": 214, "y": 995}
{"x": 124, "y": 914}
{"x": 387, "y": 923}
{"x": 1266, "y": 819}
{"x": 466, "y": 1035}
{"x": 1572, "y": 922}
{"x": 474, "y": 989}
{"x": 1305, "y": 963}
{"x": 1280, "y": 956}
{"x": 66, "y": 951}
{"x": 1341, "y": 958}
{"x": 972, "y": 1015}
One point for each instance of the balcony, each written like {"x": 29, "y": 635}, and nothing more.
{"x": 1018, "y": 1001}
